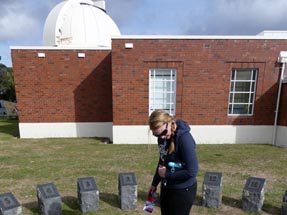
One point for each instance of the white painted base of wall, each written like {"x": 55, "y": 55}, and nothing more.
{"x": 281, "y": 139}
{"x": 134, "y": 134}
{"x": 206, "y": 134}
{"x": 232, "y": 134}
{"x": 54, "y": 130}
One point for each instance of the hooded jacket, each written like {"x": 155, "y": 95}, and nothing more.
{"x": 184, "y": 157}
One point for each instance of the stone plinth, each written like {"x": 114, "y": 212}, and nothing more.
{"x": 127, "y": 187}
{"x": 88, "y": 194}
{"x": 253, "y": 194}
{"x": 9, "y": 205}
{"x": 49, "y": 200}
{"x": 212, "y": 190}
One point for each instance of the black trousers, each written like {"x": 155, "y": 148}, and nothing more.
{"x": 177, "y": 201}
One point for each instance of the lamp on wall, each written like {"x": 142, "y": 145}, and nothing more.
{"x": 282, "y": 58}
{"x": 81, "y": 55}
{"x": 129, "y": 45}
{"x": 41, "y": 55}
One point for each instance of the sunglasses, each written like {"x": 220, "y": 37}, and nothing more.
{"x": 164, "y": 132}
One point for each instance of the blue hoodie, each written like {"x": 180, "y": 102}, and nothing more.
{"x": 184, "y": 155}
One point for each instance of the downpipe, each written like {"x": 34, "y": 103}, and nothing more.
{"x": 277, "y": 106}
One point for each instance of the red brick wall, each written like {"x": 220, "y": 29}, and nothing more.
{"x": 203, "y": 78}
{"x": 282, "y": 116}
{"x": 62, "y": 87}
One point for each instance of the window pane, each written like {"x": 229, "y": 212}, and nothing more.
{"x": 242, "y": 86}
{"x": 250, "y": 109}
{"x": 230, "y": 109}
{"x": 243, "y": 75}
{"x": 232, "y": 86}
{"x": 241, "y": 98}
{"x": 252, "y": 86}
{"x": 240, "y": 109}
{"x": 251, "y": 97}
{"x": 233, "y": 74}
{"x": 254, "y": 74}
{"x": 231, "y": 97}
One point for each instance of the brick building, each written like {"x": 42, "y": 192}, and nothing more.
{"x": 230, "y": 89}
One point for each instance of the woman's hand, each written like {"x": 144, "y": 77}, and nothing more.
{"x": 152, "y": 189}
{"x": 162, "y": 171}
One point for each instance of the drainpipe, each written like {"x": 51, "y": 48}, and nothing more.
{"x": 281, "y": 59}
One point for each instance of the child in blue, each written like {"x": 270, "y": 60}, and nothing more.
{"x": 177, "y": 166}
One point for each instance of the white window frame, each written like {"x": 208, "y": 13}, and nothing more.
{"x": 251, "y": 93}
{"x": 162, "y": 90}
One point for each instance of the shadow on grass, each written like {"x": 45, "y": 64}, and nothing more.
{"x": 231, "y": 202}
{"x": 31, "y": 206}
{"x": 9, "y": 127}
{"x": 235, "y": 203}
{"x": 69, "y": 201}
{"x": 271, "y": 209}
{"x": 66, "y": 212}
{"x": 111, "y": 199}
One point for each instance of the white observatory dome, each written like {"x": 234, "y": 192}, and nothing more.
{"x": 79, "y": 23}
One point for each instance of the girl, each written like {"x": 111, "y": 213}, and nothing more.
{"x": 177, "y": 166}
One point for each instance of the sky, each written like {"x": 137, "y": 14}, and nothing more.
{"x": 22, "y": 21}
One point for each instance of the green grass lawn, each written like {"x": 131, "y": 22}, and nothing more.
{"x": 25, "y": 163}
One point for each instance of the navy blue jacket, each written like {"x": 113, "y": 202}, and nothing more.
{"x": 184, "y": 155}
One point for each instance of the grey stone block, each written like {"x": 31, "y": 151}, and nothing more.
{"x": 9, "y": 205}
{"x": 212, "y": 190}
{"x": 49, "y": 200}
{"x": 253, "y": 194}
{"x": 127, "y": 187}
{"x": 88, "y": 194}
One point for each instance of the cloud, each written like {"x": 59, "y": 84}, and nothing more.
{"x": 22, "y": 19}
{"x": 242, "y": 17}
{"x": 218, "y": 17}
{"x": 15, "y": 26}
{"x": 22, "y": 23}
{"x": 126, "y": 14}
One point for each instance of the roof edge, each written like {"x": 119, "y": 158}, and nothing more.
{"x": 202, "y": 37}
{"x": 59, "y": 48}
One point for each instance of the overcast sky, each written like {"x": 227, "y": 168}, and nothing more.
{"x": 22, "y": 21}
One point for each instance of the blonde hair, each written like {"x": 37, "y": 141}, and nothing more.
{"x": 160, "y": 117}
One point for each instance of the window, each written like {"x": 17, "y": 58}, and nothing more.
{"x": 162, "y": 90}
{"x": 242, "y": 91}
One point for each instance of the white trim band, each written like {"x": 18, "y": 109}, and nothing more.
{"x": 57, "y": 130}
{"x": 203, "y": 134}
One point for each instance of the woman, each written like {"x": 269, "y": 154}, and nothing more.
{"x": 177, "y": 166}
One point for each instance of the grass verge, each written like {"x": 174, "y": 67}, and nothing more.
{"x": 25, "y": 163}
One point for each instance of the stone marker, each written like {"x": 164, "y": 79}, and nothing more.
{"x": 253, "y": 194}
{"x": 212, "y": 190}
{"x": 127, "y": 191}
{"x": 49, "y": 200}
{"x": 88, "y": 194}
{"x": 9, "y": 205}
{"x": 284, "y": 204}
